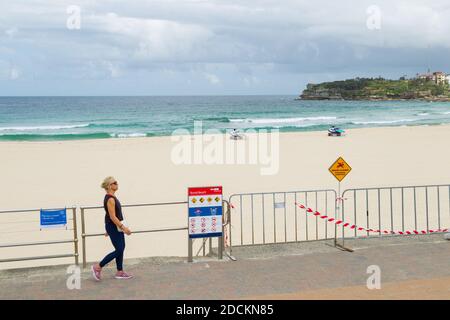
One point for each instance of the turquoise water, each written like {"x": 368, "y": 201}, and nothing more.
{"x": 67, "y": 118}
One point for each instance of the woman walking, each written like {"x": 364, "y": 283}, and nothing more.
{"x": 115, "y": 229}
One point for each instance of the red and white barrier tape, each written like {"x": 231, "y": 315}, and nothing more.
{"x": 352, "y": 226}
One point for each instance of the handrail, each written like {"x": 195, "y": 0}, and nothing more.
{"x": 85, "y": 235}
{"x": 74, "y": 240}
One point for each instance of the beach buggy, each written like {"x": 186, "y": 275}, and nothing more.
{"x": 335, "y": 132}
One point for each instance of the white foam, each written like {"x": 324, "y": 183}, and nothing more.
{"x": 281, "y": 120}
{"x": 127, "y": 135}
{"x": 383, "y": 122}
{"x": 423, "y": 114}
{"x": 55, "y": 127}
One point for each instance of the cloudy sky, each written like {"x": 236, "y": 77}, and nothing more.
{"x": 209, "y": 47}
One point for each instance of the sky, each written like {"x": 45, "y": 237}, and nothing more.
{"x": 214, "y": 47}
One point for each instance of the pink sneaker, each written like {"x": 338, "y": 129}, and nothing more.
{"x": 123, "y": 275}
{"x": 96, "y": 273}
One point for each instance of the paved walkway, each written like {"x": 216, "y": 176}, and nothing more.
{"x": 416, "y": 267}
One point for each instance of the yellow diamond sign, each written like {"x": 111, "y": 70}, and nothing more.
{"x": 339, "y": 169}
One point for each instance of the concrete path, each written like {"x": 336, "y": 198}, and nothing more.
{"x": 415, "y": 267}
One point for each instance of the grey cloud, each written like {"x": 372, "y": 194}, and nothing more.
{"x": 223, "y": 39}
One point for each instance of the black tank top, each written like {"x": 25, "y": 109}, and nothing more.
{"x": 118, "y": 209}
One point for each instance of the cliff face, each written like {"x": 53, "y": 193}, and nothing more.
{"x": 377, "y": 89}
{"x": 319, "y": 93}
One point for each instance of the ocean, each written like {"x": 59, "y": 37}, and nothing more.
{"x": 71, "y": 118}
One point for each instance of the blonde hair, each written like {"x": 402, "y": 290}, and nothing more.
{"x": 107, "y": 182}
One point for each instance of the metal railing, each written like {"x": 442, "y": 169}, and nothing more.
{"x": 274, "y": 217}
{"x": 74, "y": 240}
{"x": 389, "y": 210}
{"x": 85, "y": 235}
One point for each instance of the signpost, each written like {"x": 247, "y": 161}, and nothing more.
{"x": 205, "y": 215}
{"x": 339, "y": 169}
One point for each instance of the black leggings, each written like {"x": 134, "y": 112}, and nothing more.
{"x": 118, "y": 241}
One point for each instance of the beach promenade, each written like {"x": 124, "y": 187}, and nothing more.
{"x": 414, "y": 267}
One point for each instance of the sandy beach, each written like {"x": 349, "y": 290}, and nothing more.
{"x": 66, "y": 173}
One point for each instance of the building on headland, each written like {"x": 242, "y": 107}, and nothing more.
{"x": 438, "y": 77}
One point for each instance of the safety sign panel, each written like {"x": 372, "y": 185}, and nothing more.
{"x": 205, "y": 212}
{"x": 339, "y": 169}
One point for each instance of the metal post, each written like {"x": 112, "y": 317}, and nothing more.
{"x": 306, "y": 214}
{"x": 75, "y": 236}
{"x": 253, "y": 223}
{"x": 336, "y": 215}
{"x": 229, "y": 223}
{"x": 83, "y": 237}
{"x": 220, "y": 247}
{"x": 317, "y": 228}
{"x": 296, "y": 226}
{"x": 189, "y": 248}
{"x": 439, "y": 208}
{"x": 392, "y": 213}
{"x": 274, "y": 221}
{"x": 426, "y": 202}
{"x": 341, "y": 246}
{"x": 326, "y": 213}
{"x": 367, "y": 210}
{"x": 190, "y": 254}
{"x": 242, "y": 228}
{"x": 403, "y": 211}
{"x": 210, "y": 247}
{"x": 263, "y": 220}
{"x": 203, "y": 247}
{"x": 285, "y": 221}
{"x": 354, "y": 211}
{"x": 379, "y": 212}
{"x": 415, "y": 210}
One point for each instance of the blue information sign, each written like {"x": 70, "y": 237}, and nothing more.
{"x": 53, "y": 218}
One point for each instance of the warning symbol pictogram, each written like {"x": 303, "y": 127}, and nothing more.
{"x": 209, "y": 199}
{"x": 194, "y": 200}
{"x": 339, "y": 169}
{"x": 217, "y": 199}
{"x": 202, "y": 200}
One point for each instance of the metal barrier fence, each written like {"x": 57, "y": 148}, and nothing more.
{"x": 74, "y": 240}
{"x": 274, "y": 217}
{"x": 403, "y": 208}
{"x": 85, "y": 235}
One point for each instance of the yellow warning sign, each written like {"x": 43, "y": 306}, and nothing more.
{"x": 209, "y": 199}
{"x": 194, "y": 200}
{"x": 217, "y": 199}
{"x": 339, "y": 169}
{"x": 202, "y": 200}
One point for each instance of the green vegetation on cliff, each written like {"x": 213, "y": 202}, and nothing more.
{"x": 377, "y": 89}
